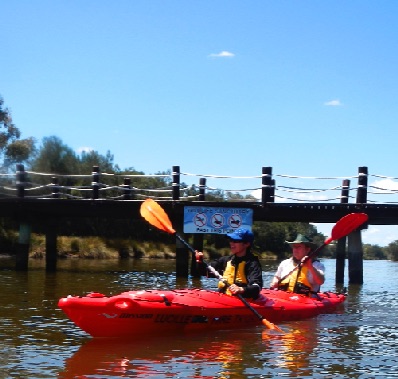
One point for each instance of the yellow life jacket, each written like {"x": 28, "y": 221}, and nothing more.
{"x": 294, "y": 284}
{"x": 233, "y": 275}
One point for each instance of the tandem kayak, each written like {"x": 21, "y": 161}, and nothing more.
{"x": 134, "y": 313}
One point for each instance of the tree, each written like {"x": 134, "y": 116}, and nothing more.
{"x": 392, "y": 250}
{"x": 13, "y": 149}
{"x": 55, "y": 157}
{"x": 92, "y": 158}
{"x": 373, "y": 252}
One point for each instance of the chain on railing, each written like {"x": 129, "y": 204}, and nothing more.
{"x": 128, "y": 186}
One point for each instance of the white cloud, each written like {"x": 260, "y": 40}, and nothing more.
{"x": 333, "y": 103}
{"x": 381, "y": 235}
{"x": 257, "y": 194}
{"x": 222, "y": 54}
{"x": 86, "y": 149}
{"x": 385, "y": 185}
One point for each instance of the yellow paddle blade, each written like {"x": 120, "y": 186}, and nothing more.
{"x": 156, "y": 216}
{"x": 271, "y": 325}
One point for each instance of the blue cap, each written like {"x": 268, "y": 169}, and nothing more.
{"x": 241, "y": 234}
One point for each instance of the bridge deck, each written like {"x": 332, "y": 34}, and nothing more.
{"x": 37, "y": 209}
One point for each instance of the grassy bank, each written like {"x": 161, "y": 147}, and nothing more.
{"x": 100, "y": 248}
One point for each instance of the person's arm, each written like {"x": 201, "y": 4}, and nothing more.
{"x": 202, "y": 266}
{"x": 317, "y": 270}
{"x": 254, "y": 280}
{"x": 277, "y": 277}
{"x": 274, "y": 282}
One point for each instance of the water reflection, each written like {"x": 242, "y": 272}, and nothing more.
{"x": 217, "y": 355}
{"x": 254, "y": 353}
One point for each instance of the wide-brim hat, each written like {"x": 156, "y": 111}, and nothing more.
{"x": 241, "y": 235}
{"x": 302, "y": 239}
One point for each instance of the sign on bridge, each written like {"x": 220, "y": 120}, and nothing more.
{"x": 216, "y": 220}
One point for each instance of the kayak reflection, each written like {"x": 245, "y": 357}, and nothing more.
{"x": 233, "y": 354}
{"x": 206, "y": 356}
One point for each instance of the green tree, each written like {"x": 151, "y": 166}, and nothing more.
{"x": 392, "y": 250}
{"x": 13, "y": 149}
{"x": 270, "y": 236}
{"x": 88, "y": 159}
{"x": 56, "y": 158}
{"x": 373, "y": 252}
{"x": 107, "y": 171}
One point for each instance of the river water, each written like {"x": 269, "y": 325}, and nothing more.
{"x": 38, "y": 341}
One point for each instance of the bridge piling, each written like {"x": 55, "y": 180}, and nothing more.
{"x": 355, "y": 258}
{"x": 341, "y": 243}
{"x": 23, "y": 246}
{"x": 51, "y": 246}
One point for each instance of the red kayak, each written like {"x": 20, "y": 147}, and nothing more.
{"x": 154, "y": 311}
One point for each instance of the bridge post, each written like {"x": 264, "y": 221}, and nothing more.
{"x": 198, "y": 237}
{"x": 95, "y": 182}
{"x": 54, "y": 187}
{"x": 268, "y": 186}
{"x": 175, "y": 185}
{"x": 182, "y": 255}
{"x": 127, "y": 189}
{"x": 20, "y": 180}
{"x": 341, "y": 243}
{"x": 202, "y": 189}
{"x": 362, "y": 192}
{"x": 355, "y": 248}
{"x": 273, "y": 190}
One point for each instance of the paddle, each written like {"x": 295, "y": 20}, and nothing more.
{"x": 152, "y": 212}
{"x": 342, "y": 228}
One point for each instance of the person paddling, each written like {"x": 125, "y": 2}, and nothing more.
{"x": 241, "y": 270}
{"x": 300, "y": 273}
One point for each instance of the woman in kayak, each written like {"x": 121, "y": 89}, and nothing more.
{"x": 300, "y": 273}
{"x": 241, "y": 270}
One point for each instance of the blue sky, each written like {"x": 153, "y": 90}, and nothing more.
{"x": 220, "y": 88}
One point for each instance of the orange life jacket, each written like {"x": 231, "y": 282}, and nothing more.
{"x": 297, "y": 281}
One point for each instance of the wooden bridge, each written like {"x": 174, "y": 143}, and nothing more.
{"x": 49, "y": 208}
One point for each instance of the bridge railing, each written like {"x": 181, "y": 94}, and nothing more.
{"x": 267, "y": 188}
